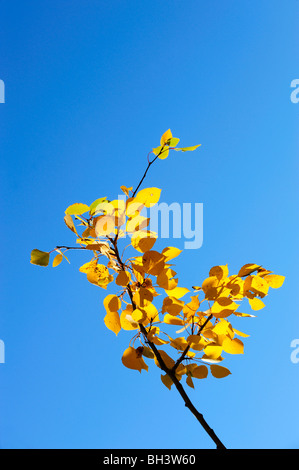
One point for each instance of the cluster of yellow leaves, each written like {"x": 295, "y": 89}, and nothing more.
{"x": 202, "y": 331}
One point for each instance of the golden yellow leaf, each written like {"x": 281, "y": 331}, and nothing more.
{"x": 274, "y": 280}
{"x": 189, "y": 381}
{"x": 164, "y": 153}
{"x": 177, "y": 292}
{"x": 77, "y": 209}
{"x": 188, "y": 149}
{"x": 132, "y": 360}
{"x": 213, "y": 351}
{"x": 166, "y": 381}
{"x": 123, "y": 278}
{"x": 256, "y": 304}
{"x": 248, "y": 269}
{"x": 171, "y": 252}
{"x": 112, "y": 303}
{"x": 171, "y": 320}
{"x": 223, "y": 307}
{"x": 126, "y": 319}
{"x": 168, "y": 361}
{"x": 219, "y": 271}
{"x": 137, "y": 223}
{"x": 69, "y": 223}
{"x": 153, "y": 262}
{"x": 166, "y": 280}
{"x": 233, "y": 346}
{"x": 166, "y": 137}
{"x": 143, "y": 240}
{"x": 126, "y": 190}
{"x": 148, "y": 196}
{"x": 200, "y": 372}
{"x": 219, "y": 371}
{"x": 57, "y": 260}
{"x": 172, "y": 305}
{"x": 112, "y": 321}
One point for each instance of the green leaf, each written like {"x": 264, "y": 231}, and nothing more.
{"x": 173, "y": 142}
{"x": 41, "y": 258}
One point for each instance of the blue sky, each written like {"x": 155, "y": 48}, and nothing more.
{"x": 89, "y": 89}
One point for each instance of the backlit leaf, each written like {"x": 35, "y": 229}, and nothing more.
{"x": 77, "y": 209}
{"x": 41, "y": 258}
{"x": 132, "y": 359}
{"x": 219, "y": 371}
{"x": 57, "y": 260}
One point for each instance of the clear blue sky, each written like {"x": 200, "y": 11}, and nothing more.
{"x": 90, "y": 88}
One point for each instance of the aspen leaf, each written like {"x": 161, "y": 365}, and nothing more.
{"x": 164, "y": 153}
{"x": 166, "y": 137}
{"x": 41, "y": 258}
{"x": 57, "y": 260}
{"x": 233, "y": 346}
{"x": 126, "y": 190}
{"x": 256, "y": 304}
{"x": 132, "y": 360}
{"x": 143, "y": 240}
{"x": 177, "y": 292}
{"x": 274, "y": 280}
{"x": 123, "y": 278}
{"x": 77, "y": 209}
{"x": 219, "y": 271}
{"x": 166, "y": 380}
{"x": 153, "y": 262}
{"x": 93, "y": 208}
{"x": 147, "y": 352}
{"x": 219, "y": 371}
{"x": 173, "y": 142}
{"x": 166, "y": 280}
{"x": 168, "y": 361}
{"x": 171, "y": 320}
{"x": 171, "y": 252}
{"x": 69, "y": 223}
{"x": 223, "y": 307}
{"x": 248, "y": 269}
{"x": 213, "y": 351}
{"x": 112, "y": 303}
{"x": 112, "y": 321}
{"x": 200, "y": 372}
{"x": 126, "y": 319}
{"x": 188, "y": 149}
{"x": 189, "y": 381}
{"x": 148, "y": 196}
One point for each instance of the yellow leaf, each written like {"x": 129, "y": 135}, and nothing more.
{"x": 165, "y": 137}
{"x": 137, "y": 223}
{"x": 168, "y": 361}
{"x": 172, "y": 305}
{"x": 131, "y": 358}
{"x": 248, "y": 269}
{"x": 148, "y": 196}
{"x": 167, "y": 381}
{"x": 77, "y": 209}
{"x": 200, "y": 372}
{"x": 143, "y": 240}
{"x": 153, "y": 262}
{"x": 189, "y": 381}
{"x": 171, "y": 252}
{"x": 223, "y": 307}
{"x": 171, "y": 320}
{"x": 164, "y": 153}
{"x": 123, "y": 278}
{"x": 166, "y": 280}
{"x": 213, "y": 351}
{"x": 274, "y": 280}
{"x": 57, "y": 260}
{"x": 112, "y": 303}
{"x": 219, "y": 371}
{"x": 69, "y": 223}
{"x": 40, "y": 258}
{"x": 177, "y": 292}
{"x": 173, "y": 142}
{"x": 256, "y": 304}
{"x": 188, "y": 149}
{"x": 233, "y": 346}
{"x": 219, "y": 271}
{"x": 126, "y": 319}
{"x": 126, "y": 190}
{"x": 112, "y": 321}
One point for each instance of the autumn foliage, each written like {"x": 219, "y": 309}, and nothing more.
{"x": 185, "y": 331}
